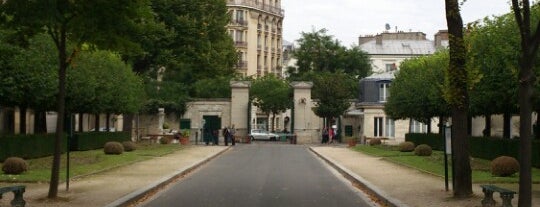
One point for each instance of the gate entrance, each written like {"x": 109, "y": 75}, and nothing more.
{"x": 212, "y": 126}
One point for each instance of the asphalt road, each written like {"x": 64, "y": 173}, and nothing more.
{"x": 262, "y": 174}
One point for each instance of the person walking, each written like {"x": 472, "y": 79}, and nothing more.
{"x": 232, "y": 131}
{"x": 226, "y": 135}
{"x": 324, "y": 136}
{"x": 331, "y": 135}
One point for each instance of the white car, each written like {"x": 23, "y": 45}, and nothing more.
{"x": 260, "y": 134}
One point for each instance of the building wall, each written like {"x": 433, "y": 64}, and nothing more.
{"x": 256, "y": 28}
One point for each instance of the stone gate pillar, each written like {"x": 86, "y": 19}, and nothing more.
{"x": 239, "y": 107}
{"x": 306, "y": 123}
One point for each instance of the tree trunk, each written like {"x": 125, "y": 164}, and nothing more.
{"x": 96, "y": 122}
{"x": 40, "y": 122}
{"x": 22, "y": 120}
{"x": 273, "y": 122}
{"x": 529, "y": 47}
{"x": 507, "y": 117}
{"x": 60, "y": 103}
{"x": 429, "y": 127}
{"x": 487, "y": 129}
{"x": 441, "y": 125}
{"x": 108, "y": 122}
{"x": 127, "y": 125}
{"x": 81, "y": 122}
{"x": 459, "y": 101}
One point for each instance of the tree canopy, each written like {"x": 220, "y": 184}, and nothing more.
{"x": 271, "y": 95}
{"x": 417, "y": 89}
{"x": 320, "y": 52}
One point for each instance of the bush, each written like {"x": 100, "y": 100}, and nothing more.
{"x": 375, "y": 142}
{"x": 504, "y": 166}
{"x": 423, "y": 150}
{"x": 129, "y": 146}
{"x": 165, "y": 140}
{"x": 406, "y": 147}
{"x": 14, "y": 166}
{"x": 28, "y": 146}
{"x": 113, "y": 148}
{"x": 96, "y": 140}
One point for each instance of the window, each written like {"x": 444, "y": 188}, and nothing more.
{"x": 239, "y": 37}
{"x": 239, "y": 16}
{"x": 418, "y": 127}
{"x": 390, "y": 128}
{"x": 378, "y": 127}
{"x": 384, "y": 92}
{"x": 390, "y": 67}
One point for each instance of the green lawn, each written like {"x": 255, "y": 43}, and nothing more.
{"x": 88, "y": 162}
{"x": 434, "y": 164}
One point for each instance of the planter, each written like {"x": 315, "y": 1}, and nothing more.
{"x": 184, "y": 140}
{"x": 352, "y": 142}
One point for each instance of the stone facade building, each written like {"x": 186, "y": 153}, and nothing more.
{"x": 256, "y": 28}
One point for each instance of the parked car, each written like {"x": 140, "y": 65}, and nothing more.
{"x": 260, "y": 134}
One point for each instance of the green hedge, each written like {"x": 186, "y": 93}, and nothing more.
{"x": 96, "y": 140}
{"x": 487, "y": 148}
{"x": 435, "y": 141}
{"x": 28, "y": 146}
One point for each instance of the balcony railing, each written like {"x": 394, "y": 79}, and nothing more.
{"x": 240, "y": 22}
{"x": 242, "y": 65}
{"x": 258, "y": 5}
{"x": 240, "y": 44}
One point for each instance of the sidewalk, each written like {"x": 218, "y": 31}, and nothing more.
{"x": 402, "y": 186}
{"x": 121, "y": 184}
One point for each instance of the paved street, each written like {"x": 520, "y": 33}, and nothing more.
{"x": 262, "y": 174}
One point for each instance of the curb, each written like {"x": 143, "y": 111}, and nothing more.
{"x": 136, "y": 195}
{"x": 365, "y": 185}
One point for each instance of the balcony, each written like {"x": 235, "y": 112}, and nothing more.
{"x": 239, "y": 22}
{"x": 242, "y": 65}
{"x": 257, "y": 5}
{"x": 240, "y": 44}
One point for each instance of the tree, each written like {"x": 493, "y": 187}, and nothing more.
{"x": 105, "y": 24}
{"x": 417, "y": 88}
{"x": 271, "y": 95}
{"x": 28, "y": 79}
{"x": 457, "y": 96}
{"x": 492, "y": 52}
{"x": 530, "y": 40}
{"x": 334, "y": 91}
{"x": 320, "y": 52}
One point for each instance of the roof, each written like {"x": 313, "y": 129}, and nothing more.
{"x": 399, "y": 47}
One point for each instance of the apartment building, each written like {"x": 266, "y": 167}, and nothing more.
{"x": 386, "y": 51}
{"x": 256, "y": 29}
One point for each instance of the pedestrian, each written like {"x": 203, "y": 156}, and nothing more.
{"x": 331, "y": 135}
{"x": 226, "y": 135}
{"x": 232, "y": 131}
{"x": 207, "y": 135}
{"x": 324, "y": 136}
{"x": 215, "y": 135}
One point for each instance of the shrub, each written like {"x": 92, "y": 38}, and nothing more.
{"x": 14, "y": 166}
{"x": 504, "y": 166}
{"x": 129, "y": 146}
{"x": 113, "y": 148}
{"x": 423, "y": 150}
{"x": 165, "y": 140}
{"x": 406, "y": 147}
{"x": 375, "y": 142}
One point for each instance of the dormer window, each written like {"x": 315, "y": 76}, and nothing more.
{"x": 384, "y": 91}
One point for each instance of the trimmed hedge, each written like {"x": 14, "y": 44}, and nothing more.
{"x": 435, "y": 141}
{"x": 487, "y": 148}
{"x": 96, "y": 140}
{"x": 28, "y": 146}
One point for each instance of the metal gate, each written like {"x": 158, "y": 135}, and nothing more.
{"x": 212, "y": 126}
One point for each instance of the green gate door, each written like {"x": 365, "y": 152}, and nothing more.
{"x": 212, "y": 125}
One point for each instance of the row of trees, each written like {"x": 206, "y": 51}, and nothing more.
{"x": 489, "y": 71}
{"x": 82, "y": 54}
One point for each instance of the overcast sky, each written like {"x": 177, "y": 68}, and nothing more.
{"x": 348, "y": 19}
